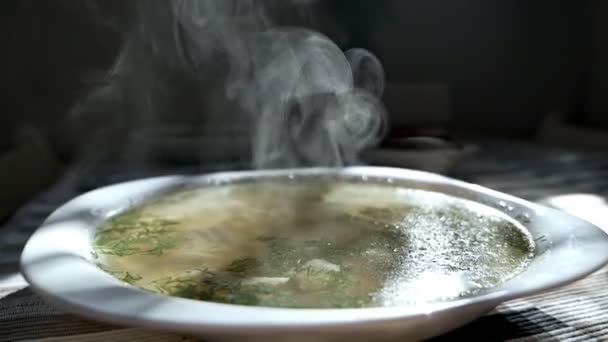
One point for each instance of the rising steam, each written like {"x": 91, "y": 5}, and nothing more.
{"x": 307, "y": 102}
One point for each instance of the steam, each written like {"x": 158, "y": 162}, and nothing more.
{"x": 306, "y": 107}
{"x": 307, "y": 102}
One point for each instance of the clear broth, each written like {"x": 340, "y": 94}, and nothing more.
{"x": 312, "y": 244}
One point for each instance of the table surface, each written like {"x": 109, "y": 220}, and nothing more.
{"x": 576, "y": 182}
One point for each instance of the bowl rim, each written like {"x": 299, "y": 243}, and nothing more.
{"x": 63, "y": 276}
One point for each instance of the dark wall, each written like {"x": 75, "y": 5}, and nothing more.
{"x": 47, "y": 50}
{"x": 507, "y": 62}
{"x": 596, "y": 109}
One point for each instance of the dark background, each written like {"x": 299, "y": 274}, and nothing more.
{"x": 515, "y": 69}
{"x": 506, "y": 63}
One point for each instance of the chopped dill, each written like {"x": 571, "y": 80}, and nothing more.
{"x": 130, "y": 278}
{"x": 127, "y": 277}
{"x": 130, "y": 234}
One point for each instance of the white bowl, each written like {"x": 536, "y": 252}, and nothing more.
{"x": 57, "y": 263}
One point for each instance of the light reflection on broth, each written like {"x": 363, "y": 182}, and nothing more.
{"x": 312, "y": 243}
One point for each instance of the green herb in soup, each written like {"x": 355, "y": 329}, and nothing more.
{"x": 310, "y": 243}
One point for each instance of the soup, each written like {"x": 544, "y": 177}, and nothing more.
{"x": 307, "y": 243}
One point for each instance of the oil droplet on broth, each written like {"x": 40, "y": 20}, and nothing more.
{"x": 303, "y": 242}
